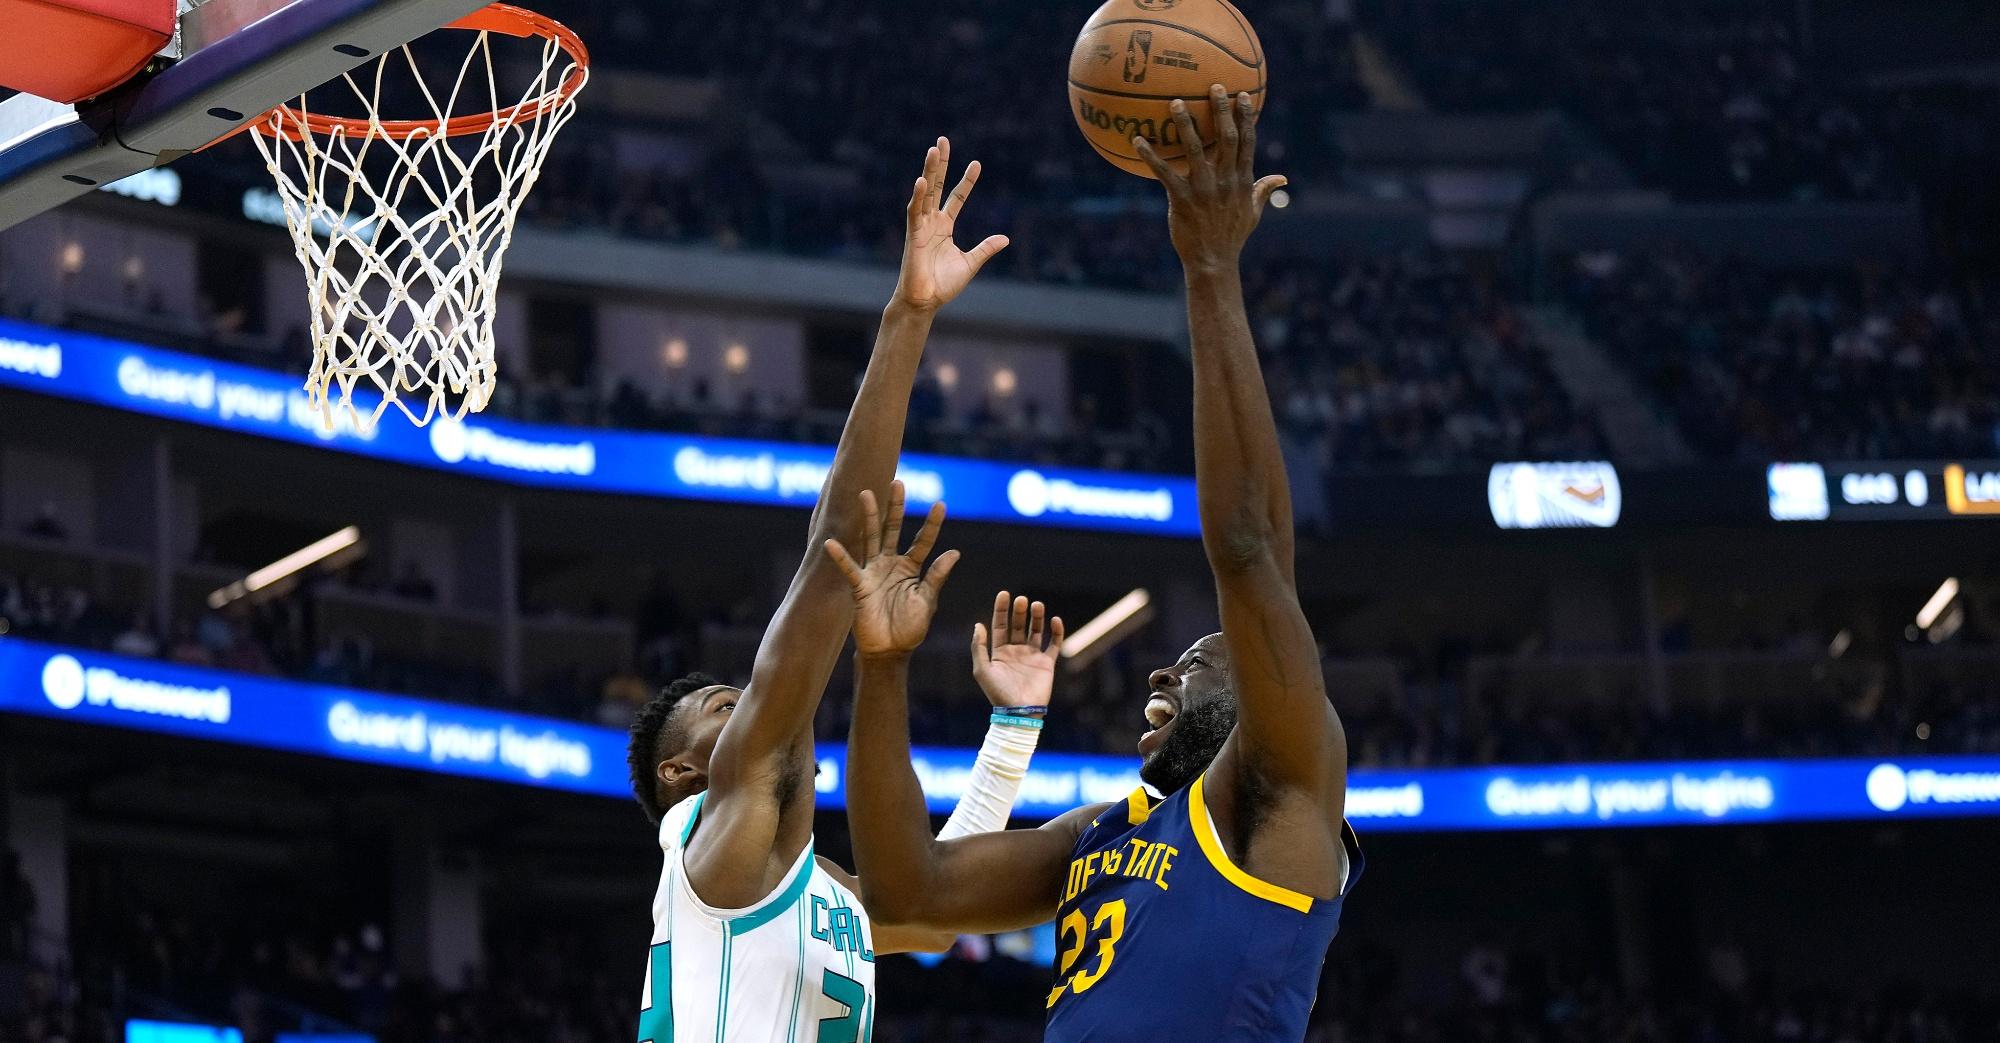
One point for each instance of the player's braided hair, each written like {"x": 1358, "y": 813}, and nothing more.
{"x": 656, "y": 732}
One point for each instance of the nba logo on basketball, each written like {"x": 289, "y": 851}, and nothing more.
{"x": 1137, "y": 47}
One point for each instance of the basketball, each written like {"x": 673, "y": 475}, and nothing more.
{"x": 1134, "y": 57}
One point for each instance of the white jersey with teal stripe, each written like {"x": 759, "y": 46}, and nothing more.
{"x": 797, "y": 967}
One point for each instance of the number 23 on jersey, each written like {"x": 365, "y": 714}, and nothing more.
{"x": 1106, "y": 924}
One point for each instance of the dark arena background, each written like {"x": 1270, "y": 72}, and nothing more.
{"x": 1637, "y": 366}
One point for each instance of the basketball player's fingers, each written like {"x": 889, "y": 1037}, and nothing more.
{"x": 919, "y": 192}
{"x": 892, "y": 526}
{"x": 1225, "y": 131}
{"x": 987, "y": 249}
{"x": 940, "y": 571}
{"x": 871, "y": 527}
{"x": 1055, "y": 635}
{"x": 1017, "y": 627}
{"x": 1000, "y": 603}
{"x": 927, "y": 536}
{"x": 845, "y": 562}
{"x": 1175, "y": 184}
{"x": 1246, "y": 149}
{"x": 958, "y": 195}
{"x": 937, "y": 176}
{"x": 982, "y": 653}
{"x": 1037, "y": 621}
{"x": 1200, "y": 174}
{"x": 933, "y": 170}
{"x": 1262, "y": 193}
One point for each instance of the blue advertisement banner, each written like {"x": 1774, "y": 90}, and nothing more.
{"x": 228, "y": 397}
{"x": 96, "y": 688}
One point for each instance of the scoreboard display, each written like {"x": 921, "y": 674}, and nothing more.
{"x": 1884, "y": 490}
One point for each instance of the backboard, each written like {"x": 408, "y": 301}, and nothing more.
{"x": 231, "y": 61}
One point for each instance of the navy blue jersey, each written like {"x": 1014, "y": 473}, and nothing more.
{"x": 1160, "y": 937}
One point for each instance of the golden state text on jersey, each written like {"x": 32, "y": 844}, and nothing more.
{"x": 1161, "y": 937}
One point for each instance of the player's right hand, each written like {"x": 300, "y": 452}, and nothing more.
{"x": 1212, "y": 210}
{"x": 1015, "y": 661}
{"x": 935, "y": 270}
{"x": 895, "y": 597}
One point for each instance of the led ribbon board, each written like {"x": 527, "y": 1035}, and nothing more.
{"x": 1884, "y": 490}
{"x": 94, "y": 688}
{"x": 228, "y": 397}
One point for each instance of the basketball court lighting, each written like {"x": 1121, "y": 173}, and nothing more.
{"x": 1935, "y": 607}
{"x": 288, "y": 566}
{"x": 1091, "y": 640}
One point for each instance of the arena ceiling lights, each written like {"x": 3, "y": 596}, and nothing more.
{"x": 274, "y": 579}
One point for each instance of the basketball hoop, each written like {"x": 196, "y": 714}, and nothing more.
{"x": 402, "y": 224}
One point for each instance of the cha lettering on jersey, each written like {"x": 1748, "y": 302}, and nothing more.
{"x": 838, "y": 926}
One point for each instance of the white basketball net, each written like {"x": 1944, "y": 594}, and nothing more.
{"x": 402, "y": 233}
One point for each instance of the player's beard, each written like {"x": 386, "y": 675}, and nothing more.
{"x": 1198, "y": 734}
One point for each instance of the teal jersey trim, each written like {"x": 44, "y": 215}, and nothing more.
{"x": 722, "y": 996}
{"x": 688, "y": 830}
{"x": 776, "y": 907}
{"x": 798, "y": 978}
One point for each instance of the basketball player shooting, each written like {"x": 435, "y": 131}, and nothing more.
{"x": 1204, "y": 913}
{"x": 756, "y": 939}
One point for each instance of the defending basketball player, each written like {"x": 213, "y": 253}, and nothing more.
{"x": 756, "y": 939}
{"x": 1205, "y": 913}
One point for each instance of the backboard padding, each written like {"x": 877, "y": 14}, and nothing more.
{"x": 228, "y": 77}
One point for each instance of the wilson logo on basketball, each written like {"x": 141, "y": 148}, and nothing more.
{"x": 1166, "y": 134}
{"x": 1157, "y": 5}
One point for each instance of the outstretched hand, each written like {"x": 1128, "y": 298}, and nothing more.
{"x": 1213, "y": 208}
{"x": 1015, "y": 661}
{"x": 935, "y": 270}
{"x": 895, "y": 597}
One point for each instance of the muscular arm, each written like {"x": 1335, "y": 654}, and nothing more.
{"x": 982, "y": 883}
{"x": 759, "y": 809}
{"x": 887, "y": 937}
{"x": 1288, "y": 737}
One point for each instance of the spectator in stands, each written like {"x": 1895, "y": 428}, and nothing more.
{"x": 412, "y": 583}
{"x": 137, "y": 639}
{"x": 1408, "y": 362}
{"x": 1756, "y": 364}
{"x": 47, "y": 524}
{"x": 17, "y": 907}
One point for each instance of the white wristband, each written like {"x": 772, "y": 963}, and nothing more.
{"x": 988, "y": 801}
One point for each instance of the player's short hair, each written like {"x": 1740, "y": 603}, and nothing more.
{"x": 656, "y": 732}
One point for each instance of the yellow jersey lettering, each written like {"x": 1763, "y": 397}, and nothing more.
{"x": 1152, "y": 859}
{"x": 1166, "y": 862}
{"x": 1075, "y": 879}
{"x": 1112, "y": 860}
{"x": 1135, "y": 859}
{"x": 1143, "y": 864}
{"x": 1090, "y": 866}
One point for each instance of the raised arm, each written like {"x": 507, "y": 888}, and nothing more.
{"x": 984, "y": 882}
{"x": 760, "y": 774}
{"x": 1287, "y": 735}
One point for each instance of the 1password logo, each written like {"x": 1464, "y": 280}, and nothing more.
{"x": 62, "y": 682}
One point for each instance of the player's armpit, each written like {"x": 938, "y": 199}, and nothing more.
{"x": 735, "y": 857}
{"x": 986, "y": 883}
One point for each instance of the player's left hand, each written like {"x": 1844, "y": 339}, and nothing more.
{"x": 895, "y": 597}
{"x": 1212, "y": 210}
{"x": 935, "y": 270}
{"x": 1015, "y": 661}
